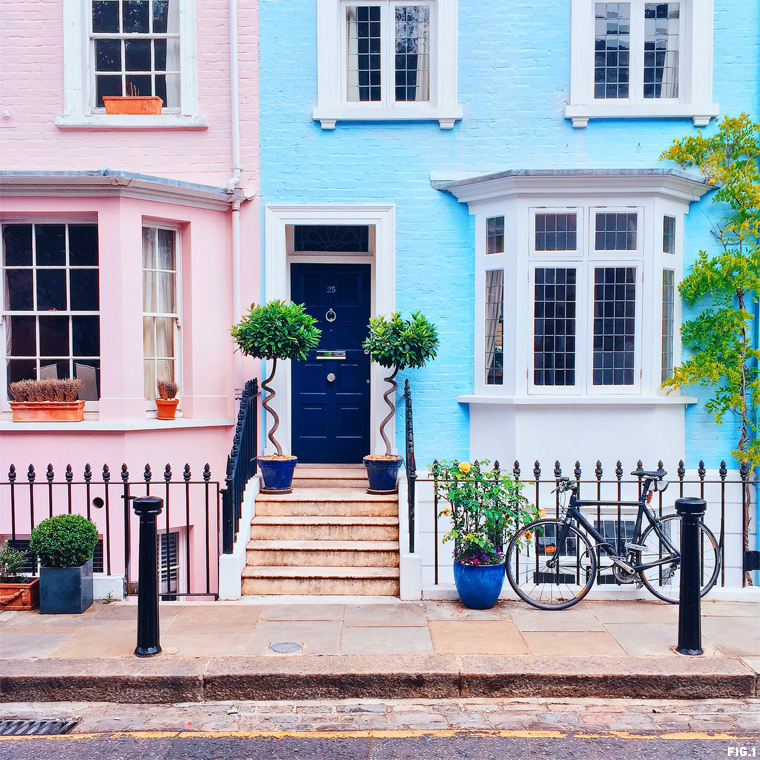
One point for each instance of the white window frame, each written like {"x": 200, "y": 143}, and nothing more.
{"x": 150, "y": 404}
{"x": 695, "y": 98}
{"x": 332, "y": 105}
{"x": 79, "y": 77}
{"x": 580, "y": 231}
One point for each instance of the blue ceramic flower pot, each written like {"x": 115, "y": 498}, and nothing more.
{"x": 382, "y": 474}
{"x": 277, "y": 473}
{"x": 478, "y": 586}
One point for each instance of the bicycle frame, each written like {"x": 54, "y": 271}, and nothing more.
{"x": 574, "y": 513}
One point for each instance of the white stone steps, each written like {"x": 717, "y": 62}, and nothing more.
{"x": 330, "y": 477}
{"x": 346, "y": 502}
{"x": 324, "y": 527}
{"x": 345, "y": 581}
{"x": 323, "y": 553}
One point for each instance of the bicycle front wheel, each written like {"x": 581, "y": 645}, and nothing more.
{"x": 548, "y": 576}
{"x": 664, "y": 581}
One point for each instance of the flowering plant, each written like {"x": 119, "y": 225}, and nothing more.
{"x": 486, "y": 508}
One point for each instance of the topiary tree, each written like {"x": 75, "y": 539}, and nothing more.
{"x": 399, "y": 344}
{"x": 276, "y": 330}
{"x": 64, "y": 541}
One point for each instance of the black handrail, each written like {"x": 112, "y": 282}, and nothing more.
{"x": 241, "y": 465}
{"x": 411, "y": 469}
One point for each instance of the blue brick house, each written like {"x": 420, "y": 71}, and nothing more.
{"x": 496, "y": 167}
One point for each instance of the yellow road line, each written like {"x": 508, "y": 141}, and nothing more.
{"x": 387, "y": 734}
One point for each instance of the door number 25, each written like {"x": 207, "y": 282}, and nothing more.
{"x": 331, "y": 288}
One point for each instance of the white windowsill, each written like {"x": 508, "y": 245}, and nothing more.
{"x": 700, "y": 113}
{"x": 579, "y": 400}
{"x": 446, "y": 117}
{"x": 129, "y": 121}
{"x": 92, "y": 423}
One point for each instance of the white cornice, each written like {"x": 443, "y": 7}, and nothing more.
{"x": 673, "y": 183}
{"x": 116, "y": 184}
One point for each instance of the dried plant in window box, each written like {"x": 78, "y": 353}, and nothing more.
{"x": 166, "y": 403}
{"x": 47, "y": 400}
{"x": 133, "y": 104}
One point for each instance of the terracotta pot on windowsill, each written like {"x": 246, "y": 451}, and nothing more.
{"x": 137, "y": 105}
{"x": 20, "y": 596}
{"x": 167, "y": 408}
{"x": 47, "y": 411}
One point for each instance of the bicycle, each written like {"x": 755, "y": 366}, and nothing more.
{"x": 552, "y": 565}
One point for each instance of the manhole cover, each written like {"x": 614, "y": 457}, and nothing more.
{"x": 36, "y": 727}
{"x": 285, "y": 647}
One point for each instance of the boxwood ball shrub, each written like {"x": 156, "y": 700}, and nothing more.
{"x": 64, "y": 541}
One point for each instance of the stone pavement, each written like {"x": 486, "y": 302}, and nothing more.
{"x": 390, "y": 649}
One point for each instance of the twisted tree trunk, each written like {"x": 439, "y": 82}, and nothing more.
{"x": 265, "y": 405}
{"x": 390, "y": 392}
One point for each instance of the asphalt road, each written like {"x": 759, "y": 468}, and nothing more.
{"x": 458, "y": 747}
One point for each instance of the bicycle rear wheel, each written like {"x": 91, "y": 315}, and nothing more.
{"x": 548, "y": 576}
{"x": 664, "y": 581}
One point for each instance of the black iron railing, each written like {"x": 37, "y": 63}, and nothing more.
{"x": 189, "y": 524}
{"x": 411, "y": 471}
{"x": 615, "y": 522}
{"x": 241, "y": 464}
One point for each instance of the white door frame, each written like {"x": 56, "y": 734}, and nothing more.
{"x": 277, "y": 286}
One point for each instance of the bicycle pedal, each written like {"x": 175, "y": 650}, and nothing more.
{"x": 636, "y": 547}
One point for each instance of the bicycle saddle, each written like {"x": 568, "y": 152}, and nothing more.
{"x": 654, "y": 474}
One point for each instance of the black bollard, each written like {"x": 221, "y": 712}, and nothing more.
{"x": 147, "y": 508}
{"x": 691, "y": 511}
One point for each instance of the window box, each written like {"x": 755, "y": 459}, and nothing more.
{"x": 20, "y": 596}
{"x": 132, "y": 104}
{"x": 47, "y": 411}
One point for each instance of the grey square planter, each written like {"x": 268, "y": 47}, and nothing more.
{"x": 65, "y": 590}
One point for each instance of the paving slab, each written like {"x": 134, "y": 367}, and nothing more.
{"x": 455, "y": 610}
{"x": 386, "y": 640}
{"x": 206, "y": 644}
{"x": 476, "y": 637}
{"x": 317, "y": 636}
{"x": 302, "y": 612}
{"x": 117, "y": 639}
{"x": 651, "y": 640}
{"x": 575, "y": 619}
{"x": 736, "y": 636}
{"x": 572, "y": 643}
{"x": 204, "y": 619}
{"x": 19, "y": 646}
{"x": 634, "y": 613}
{"x": 385, "y": 614}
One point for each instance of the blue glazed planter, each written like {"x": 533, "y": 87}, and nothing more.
{"x": 277, "y": 473}
{"x": 383, "y": 474}
{"x": 478, "y": 586}
{"x": 65, "y": 590}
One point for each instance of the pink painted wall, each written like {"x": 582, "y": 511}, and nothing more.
{"x": 31, "y": 96}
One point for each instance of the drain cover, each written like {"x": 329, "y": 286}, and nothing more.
{"x": 36, "y": 727}
{"x": 285, "y": 647}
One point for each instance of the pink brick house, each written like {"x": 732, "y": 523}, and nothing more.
{"x": 130, "y": 242}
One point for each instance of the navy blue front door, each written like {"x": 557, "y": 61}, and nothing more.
{"x": 331, "y": 388}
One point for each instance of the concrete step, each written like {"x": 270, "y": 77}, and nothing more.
{"x": 323, "y": 527}
{"x": 307, "y": 476}
{"x": 327, "y": 501}
{"x": 344, "y": 581}
{"x": 322, "y": 553}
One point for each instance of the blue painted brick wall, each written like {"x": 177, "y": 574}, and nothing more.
{"x": 514, "y": 66}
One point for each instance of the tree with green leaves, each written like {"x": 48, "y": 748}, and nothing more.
{"x": 399, "y": 344}
{"x": 276, "y": 330}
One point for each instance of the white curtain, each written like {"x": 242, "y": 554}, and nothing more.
{"x": 494, "y": 314}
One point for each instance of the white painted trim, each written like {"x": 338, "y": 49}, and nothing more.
{"x": 104, "y": 584}
{"x": 231, "y": 566}
{"x": 695, "y": 74}
{"x": 410, "y": 565}
{"x": 573, "y": 400}
{"x": 277, "y": 286}
{"x": 331, "y": 103}
{"x": 90, "y": 425}
{"x": 78, "y": 77}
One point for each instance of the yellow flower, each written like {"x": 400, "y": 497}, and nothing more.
{"x": 465, "y": 467}
{"x": 542, "y": 513}
{"x": 528, "y": 535}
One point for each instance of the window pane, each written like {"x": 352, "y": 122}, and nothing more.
{"x": 150, "y": 303}
{"x": 110, "y": 86}
{"x": 413, "y": 53}
{"x": 22, "y": 369}
{"x": 614, "y": 325}
{"x": 165, "y": 370}
{"x": 554, "y": 326}
{"x": 149, "y": 340}
{"x": 166, "y": 301}
{"x": 661, "y": 42}
{"x": 341, "y": 238}
{"x": 495, "y": 327}
{"x": 88, "y": 371}
{"x": 363, "y": 64}
{"x": 495, "y": 235}
{"x": 135, "y": 16}
{"x": 612, "y": 50}
{"x": 167, "y": 88}
{"x": 668, "y": 322}
{"x": 556, "y": 232}
{"x": 149, "y": 247}
{"x": 108, "y": 55}
{"x": 105, "y": 16}
{"x": 164, "y": 337}
{"x": 149, "y": 377}
{"x": 54, "y": 336}
{"x": 86, "y": 336}
{"x": 51, "y": 245}
{"x": 166, "y": 250}
{"x": 139, "y": 84}
{"x": 83, "y": 285}
{"x": 616, "y": 232}
{"x": 159, "y": 53}
{"x": 17, "y": 245}
{"x": 669, "y": 234}
{"x": 18, "y": 287}
{"x": 83, "y": 245}
{"x": 51, "y": 289}
{"x": 160, "y": 16}
{"x": 137, "y": 55}
{"x": 22, "y": 340}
